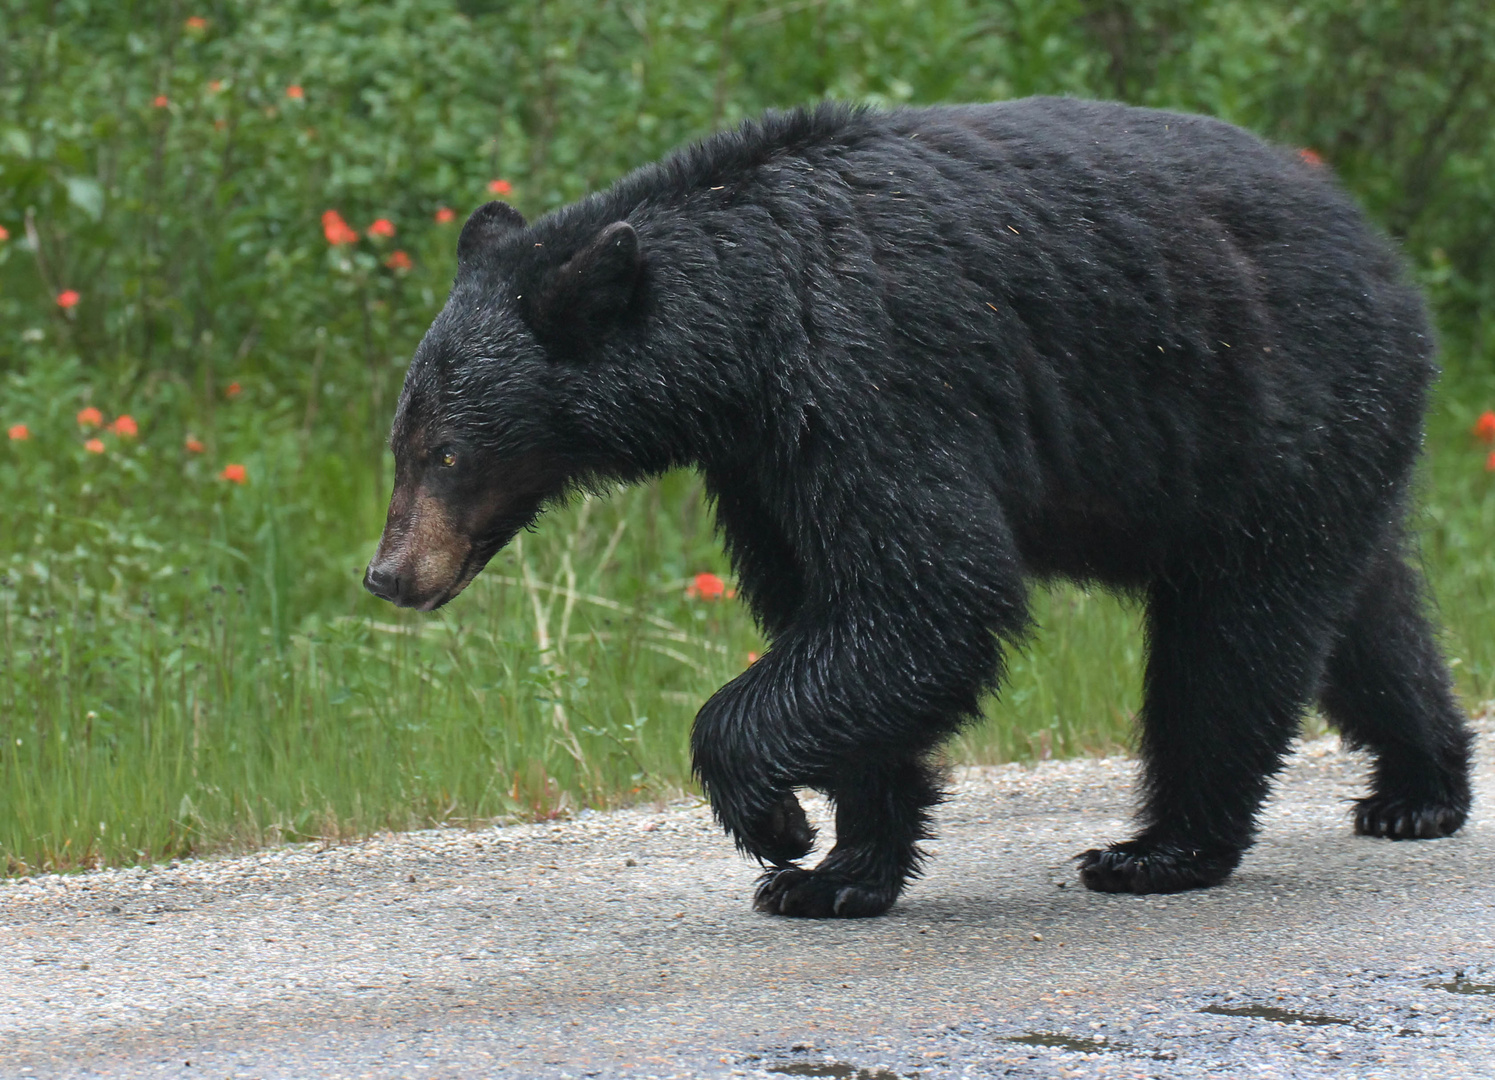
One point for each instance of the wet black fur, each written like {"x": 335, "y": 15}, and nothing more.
{"x": 923, "y": 357}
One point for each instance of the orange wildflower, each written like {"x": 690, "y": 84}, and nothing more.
{"x": 68, "y": 298}
{"x": 336, "y": 229}
{"x": 216, "y": 85}
{"x": 752, "y": 658}
{"x": 1484, "y": 427}
{"x": 233, "y": 390}
{"x": 89, "y": 417}
{"x": 196, "y": 22}
{"x": 295, "y": 93}
{"x": 94, "y": 446}
{"x": 444, "y": 216}
{"x": 382, "y": 227}
{"x": 194, "y": 446}
{"x": 124, "y": 425}
{"x": 234, "y": 473}
{"x": 161, "y": 101}
{"x": 398, "y": 260}
{"x": 1311, "y": 157}
{"x": 5, "y": 233}
{"x": 19, "y": 433}
{"x": 706, "y": 587}
{"x": 500, "y": 187}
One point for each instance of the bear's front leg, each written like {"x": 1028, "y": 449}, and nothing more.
{"x": 851, "y": 713}
{"x": 750, "y": 757}
{"x": 742, "y": 758}
{"x": 881, "y": 814}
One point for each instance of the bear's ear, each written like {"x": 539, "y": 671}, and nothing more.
{"x": 487, "y": 223}
{"x": 592, "y": 290}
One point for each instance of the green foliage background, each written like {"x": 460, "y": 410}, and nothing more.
{"x": 188, "y": 663}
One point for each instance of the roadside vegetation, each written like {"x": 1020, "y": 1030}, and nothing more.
{"x": 223, "y": 228}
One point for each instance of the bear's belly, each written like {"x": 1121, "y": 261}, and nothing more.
{"x": 1093, "y": 541}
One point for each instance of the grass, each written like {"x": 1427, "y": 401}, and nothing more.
{"x": 188, "y": 664}
{"x": 205, "y": 675}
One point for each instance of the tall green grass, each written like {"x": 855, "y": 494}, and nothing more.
{"x": 213, "y": 706}
{"x": 188, "y": 664}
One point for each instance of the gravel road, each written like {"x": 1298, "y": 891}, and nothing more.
{"x": 622, "y": 945}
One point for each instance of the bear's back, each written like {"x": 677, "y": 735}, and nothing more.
{"x": 1118, "y": 322}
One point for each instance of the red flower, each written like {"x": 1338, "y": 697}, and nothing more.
{"x": 161, "y": 101}
{"x": 444, "y": 216}
{"x": 336, "y": 229}
{"x": 235, "y": 473}
{"x": 382, "y": 227}
{"x": 1311, "y": 157}
{"x": 1484, "y": 427}
{"x": 19, "y": 433}
{"x": 295, "y": 93}
{"x": 196, "y": 22}
{"x": 89, "y": 417}
{"x": 500, "y": 187}
{"x": 94, "y": 446}
{"x": 5, "y": 233}
{"x": 125, "y": 425}
{"x": 216, "y": 85}
{"x": 194, "y": 446}
{"x": 398, "y": 260}
{"x": 706, "y": 587}
{"x": 752, "y": 658}
{"x": 68, "y": 298}
{"x": 233, "y": 390}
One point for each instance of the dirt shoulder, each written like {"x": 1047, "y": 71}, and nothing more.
{"x": 622, "y": 945}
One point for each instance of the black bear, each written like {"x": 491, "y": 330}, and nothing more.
{"x": 921, "y": 357}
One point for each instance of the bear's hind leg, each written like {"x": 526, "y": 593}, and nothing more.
{"x": 1231, "y": 665}
{"x": 1387, "y": 689}
{"x": 881, "y": 815}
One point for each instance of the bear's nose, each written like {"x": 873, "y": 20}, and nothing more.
{"x": 384, "y": 584}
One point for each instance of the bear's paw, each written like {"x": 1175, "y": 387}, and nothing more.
{"x": 818, "y": 894}
{"x": 1400, "y": 818}
{"x": 1140, "y": 866}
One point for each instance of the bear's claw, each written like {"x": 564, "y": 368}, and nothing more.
{"x": 1397, "y": 818}
{"x": 815, "y": 894}
{"x": 1141, "y": 867}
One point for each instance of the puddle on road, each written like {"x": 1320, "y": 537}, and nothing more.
{"x": 1082, "y": 1045}
{"x": 1276, "y": 1016}
{"x": 1463, "y": 986}
{"x": 838, "y": 1070}
{"x": 1059, "y": 1042}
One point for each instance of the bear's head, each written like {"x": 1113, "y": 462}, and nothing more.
{"x": 487, "y": 429}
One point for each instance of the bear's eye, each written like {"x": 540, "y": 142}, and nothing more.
{"x": 448, "y": 458}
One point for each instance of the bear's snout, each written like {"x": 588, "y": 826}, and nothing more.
{"x": 382, "y": 582}
{"x": 426, "y": 582}
{"x": 424, "y": 558}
